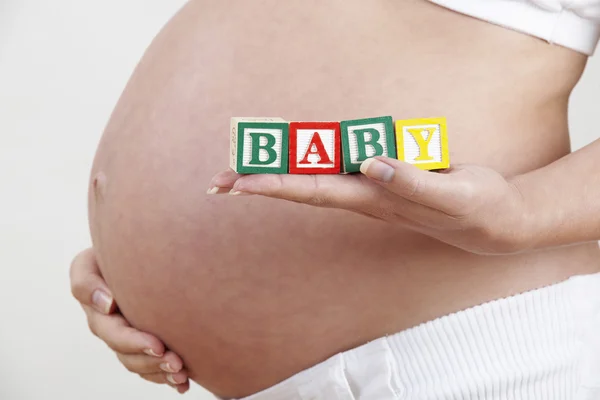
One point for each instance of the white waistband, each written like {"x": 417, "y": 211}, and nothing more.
{"x": 538, "y": 345}
{"x": 562, "y": 26}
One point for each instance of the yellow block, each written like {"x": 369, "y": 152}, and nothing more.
{"x": 423, "y": 142}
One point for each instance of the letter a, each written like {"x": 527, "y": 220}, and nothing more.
{"x": 319, "y": 149}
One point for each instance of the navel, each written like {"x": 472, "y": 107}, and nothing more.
{"x": 99, "y": 186}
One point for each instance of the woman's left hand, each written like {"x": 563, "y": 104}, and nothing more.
{"x": 470, "y": 207}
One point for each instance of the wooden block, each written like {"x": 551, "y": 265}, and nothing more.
{"x": 315, "y": 148}
{"x": 423, "y": 142}
{"x": 259, "y": 145}
{"x": 366, "y": 138}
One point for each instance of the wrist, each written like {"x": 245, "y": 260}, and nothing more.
{"x": 527, "y": 224}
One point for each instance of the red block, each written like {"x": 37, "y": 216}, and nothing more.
{"x": 315, "y": 148}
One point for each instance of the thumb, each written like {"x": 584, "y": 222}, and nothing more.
{"x": 87, "y": 284}
{"x": 438, "y": 191}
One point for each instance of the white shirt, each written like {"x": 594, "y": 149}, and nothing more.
{"x": 571, "y": 23}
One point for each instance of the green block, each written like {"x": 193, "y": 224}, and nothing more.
{"x": 366, "y": 138}
{"x": 259, "y": 146}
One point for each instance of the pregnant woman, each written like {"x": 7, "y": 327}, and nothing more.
{"x": 477, "y": 283}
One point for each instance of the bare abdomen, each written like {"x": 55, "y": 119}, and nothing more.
{"x": 251, "y": 290}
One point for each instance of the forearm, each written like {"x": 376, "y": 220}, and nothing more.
{"x": 562, "y": 200}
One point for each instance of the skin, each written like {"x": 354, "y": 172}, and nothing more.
{"x": 467, "y": 206}
{"x": 229, "y": 283}
{"x": 139, "y": 352}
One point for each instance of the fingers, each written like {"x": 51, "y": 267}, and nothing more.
{"x": 446, "y": 192}
{"x": 88, "y": 286}
{"x": 357, "y": 193}
{"x": 178, "y": 378}
{"x": 144, "y": 364}
{"x": 223, "y": 182}
{"x": 138, "y": 351}
{"x": 183, "y": 388}
{"x": 338, "y": 191}
{"x": 120, "y": 336}
{"x": 386, "y": 187}
{"x": 178, "y": 381}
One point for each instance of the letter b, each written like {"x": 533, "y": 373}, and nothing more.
{"x": 362, "y": 143}
{"x": 268, "y": 147}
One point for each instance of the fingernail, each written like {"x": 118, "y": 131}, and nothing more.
{"x": 238, "y": 193}
{"x": 151, "y": 352}
{"x": 167, "y": 367}
{"x": 102, "y": 300}
{"x": 171, "y": 379}
{"x": 377, "y": 170}
{"x": 214, "y": 190}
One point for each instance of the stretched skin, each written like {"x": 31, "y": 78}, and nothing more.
{"x": 250, "y": 290}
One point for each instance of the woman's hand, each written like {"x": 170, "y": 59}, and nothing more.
{"x": 470, "y": 207}
{"x": 139, "y": 352}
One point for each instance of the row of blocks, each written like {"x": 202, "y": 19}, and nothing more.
{"x": 275, "y": 146}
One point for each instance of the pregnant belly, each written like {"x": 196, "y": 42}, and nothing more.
{"x": 250, "y": 290}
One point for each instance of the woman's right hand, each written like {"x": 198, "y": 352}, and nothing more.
{"x": 139, "y": 352}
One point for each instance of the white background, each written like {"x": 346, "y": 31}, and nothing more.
{"x": 63, "y": 64}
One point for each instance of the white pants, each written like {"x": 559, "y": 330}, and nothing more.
{"x": 543, "y": 345}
